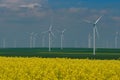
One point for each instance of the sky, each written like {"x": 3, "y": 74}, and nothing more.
{"x": 19, "y": 18}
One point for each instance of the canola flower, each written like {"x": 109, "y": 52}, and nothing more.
{"x": 19, "y": 68}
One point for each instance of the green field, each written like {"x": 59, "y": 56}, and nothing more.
{"x": 82, "y": 53}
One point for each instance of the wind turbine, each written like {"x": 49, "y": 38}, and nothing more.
{"x": 43, "y": 40}
{"x": 34, "y": 39}
{"x": 31, "y": 39}
{"x": 76, "y": 44}
{"x": 50, "y": 33}
{"x": 107, "y": 46}
{"x": 89, "y": 41}
{"x": 94, "y": 32}
{"x": 116, "y": 39}
{"x": 62, "y": 36}
{"x": 15, "y": 44}
{"x": 4, "y": 43}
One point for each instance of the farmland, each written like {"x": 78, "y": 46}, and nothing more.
{"x": 66, "y": 64}
{"x": 33, "y": 68}
{"x": 81, "y": 53}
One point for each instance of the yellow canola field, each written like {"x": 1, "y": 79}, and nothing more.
{"x": 18, "y": 68}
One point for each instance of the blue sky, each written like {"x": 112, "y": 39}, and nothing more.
{"x": 18, "y": 18}
{"x": 85, "y": 3}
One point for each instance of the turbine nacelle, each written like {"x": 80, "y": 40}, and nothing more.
{"x": 63, "y": 31}
{"x": 94, "y": 25}
{"x": 117, "y": 33}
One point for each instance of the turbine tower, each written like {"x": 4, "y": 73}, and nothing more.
{"x": 31, "y": 39}
{"x": 76, "y": 44}
{"x": 34, "y": 39}
{"x": 43, "y": 40}
{"x": 15, "y": 43}
{"x": 62, "y": 36}
{"x": 116, "y": 39}
{"x": 107, "y": 46}
{"x": 4, "y": 43}
{"x": 94, "y": 32}
{"x": 89, "y": 41}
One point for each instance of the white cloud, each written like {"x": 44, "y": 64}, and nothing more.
{"x": 31, "y": 5}
{"x": 10, "y": 1}
{"x": 104, "y": 11}
{"x": 13, "y": 4}
{"x": 24, "y": 8}
{"x": 3, "y": 5}
{"x": 76, "y": 10}
{"x": 116, "y": 18}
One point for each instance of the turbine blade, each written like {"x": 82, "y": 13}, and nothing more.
{"x": 89, "y": 36}
{"x": 98, "y": 20}
{"x": 63, "y": 37}
{"x": 117, "y": 33}
{"x": 50, "y": 28}
{"x": 32, "y": 33}
{"x": 63, "y": 30}
{"x": 87, "y": 21}
{"x": 97, "y": 32}
{"x": 52, "y": 34}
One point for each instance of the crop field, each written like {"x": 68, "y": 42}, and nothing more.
{"x": 81, "y": 53}
{"x": 66, "y": 64}
{"x": 33, "y": 68}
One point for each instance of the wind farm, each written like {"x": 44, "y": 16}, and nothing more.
{"x": 59, "y": 40}
{"x": 48, "y": 50}
{"x": 78, "y": 33}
